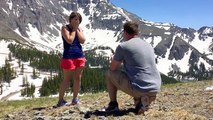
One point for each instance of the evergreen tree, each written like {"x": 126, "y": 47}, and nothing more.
{"x": 10, "y": 56}
{"x": 1, "y": 81}
{"x": 19, "y": 63}
{"x": 24, "y": 81}
{"x": 34, "y": 76}
{"x": 22, "y": 69}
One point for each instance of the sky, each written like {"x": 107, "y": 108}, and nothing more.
{"x": 183, "y": 13}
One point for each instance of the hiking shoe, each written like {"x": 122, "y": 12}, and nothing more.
{"x": 137, "y": 101}
{"x": 112, "y": 106}
{"x": 61, "y": 103}
{"x": 75, "y": 101}
{"x": 139, "y": 109}
{"x": 142, "y": 106}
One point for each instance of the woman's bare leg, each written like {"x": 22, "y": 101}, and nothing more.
{"x": 65, "y": 83}
{"x": 77, "y": 81}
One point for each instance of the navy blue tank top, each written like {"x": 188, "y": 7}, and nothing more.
{"x": 74, "y": 50}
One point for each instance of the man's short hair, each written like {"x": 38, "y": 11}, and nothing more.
{"x": 131, "y": 27}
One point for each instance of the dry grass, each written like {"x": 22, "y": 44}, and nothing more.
{"x": 182, "y": 101}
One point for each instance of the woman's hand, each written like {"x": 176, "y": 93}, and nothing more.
{"x": 67, "y": 35}
{"x": 74, "y": 24}
{"x": 81, "y": 36}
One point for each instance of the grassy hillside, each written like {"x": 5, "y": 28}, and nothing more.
{"x": 180, "y": 101}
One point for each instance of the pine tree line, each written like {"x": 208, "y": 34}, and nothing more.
{"x": 93, "y": 79}
{"x": 196, "y": 72}
{"x": 7, "y": 73}
{"x": 29, "y": 89}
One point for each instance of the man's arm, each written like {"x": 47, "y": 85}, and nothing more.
{"x": 114, "y": 65}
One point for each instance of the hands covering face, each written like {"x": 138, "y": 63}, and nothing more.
{"x": 75, "y": 23}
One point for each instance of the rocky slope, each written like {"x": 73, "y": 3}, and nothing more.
{"x": 184, "y": 101}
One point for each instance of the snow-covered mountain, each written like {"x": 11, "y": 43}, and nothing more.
{"x": 38, "y": 22}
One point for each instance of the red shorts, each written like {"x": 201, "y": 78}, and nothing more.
{"x": 72, "y": 64}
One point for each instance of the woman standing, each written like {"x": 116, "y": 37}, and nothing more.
{"x": 73, "y": 60}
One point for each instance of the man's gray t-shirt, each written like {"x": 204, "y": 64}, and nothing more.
{"x": 139, "y": 63}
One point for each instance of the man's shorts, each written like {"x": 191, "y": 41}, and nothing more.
{"x": 72, "y": 64}
{"x": 122, "y": 82}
